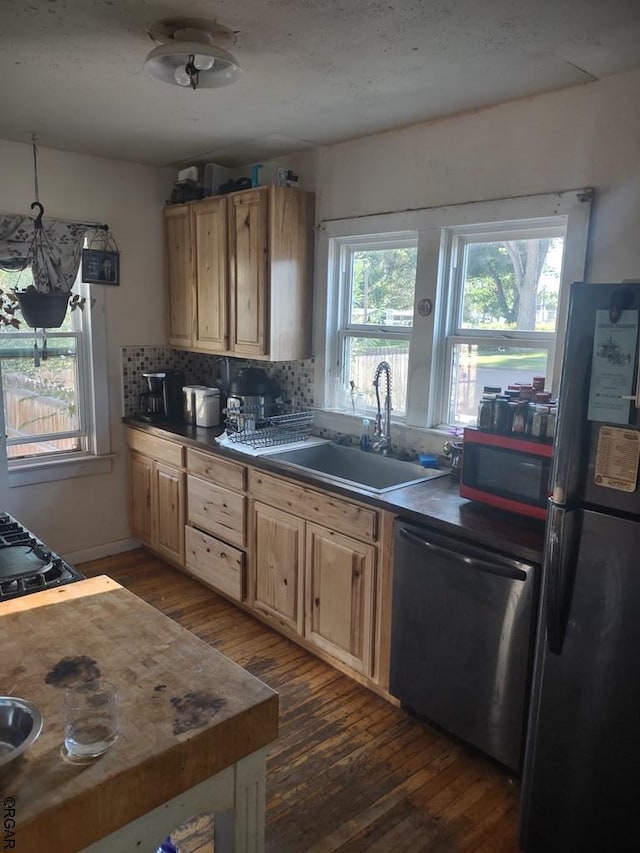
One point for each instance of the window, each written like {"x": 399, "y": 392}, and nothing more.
{"x": 490, "y": 283}
{"x": 501, "y": 323}
{"x": 377, "y": 285}
{"x": 52, "y": 409}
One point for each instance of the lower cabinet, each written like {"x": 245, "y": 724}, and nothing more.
{"x": 311, "y": 563}
{"x": 215, "y": 535}
{"x": 157, "y": 495}
{"x": 278, "y": 565}
{"x": 167, "y": 501}
{"x": 140, "y": 474}
{"x": 318, "y": 583}
{"x": 339, "y": 607}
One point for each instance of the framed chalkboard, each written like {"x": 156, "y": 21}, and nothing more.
{"x": 100, "y": 267}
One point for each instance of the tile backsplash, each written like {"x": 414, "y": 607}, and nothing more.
{"x": 295, "y": 378}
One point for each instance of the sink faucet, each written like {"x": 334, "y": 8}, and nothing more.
{"x": 382, "y": 429}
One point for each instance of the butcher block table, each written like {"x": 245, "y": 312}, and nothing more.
{"x": 194, "y": 726}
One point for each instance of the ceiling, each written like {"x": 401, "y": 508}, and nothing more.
{"x": 314, "y": 71}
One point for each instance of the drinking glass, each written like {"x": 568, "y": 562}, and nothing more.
{"x": 90, "y": 719}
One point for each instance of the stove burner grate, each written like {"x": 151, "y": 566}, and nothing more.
{"x": 26, "y": 564}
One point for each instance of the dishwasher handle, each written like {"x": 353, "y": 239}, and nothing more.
{"x": 495, "y": 565}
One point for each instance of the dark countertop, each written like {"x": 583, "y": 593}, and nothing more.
{"x": 434, "y": 503}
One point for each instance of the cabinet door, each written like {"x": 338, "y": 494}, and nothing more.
{"x": 278, "y": 565}
{"x": 339, "y": 612}
{"x": 140, "y": 473}
{"x": 177, "y": 220}
{"x": 210, "y": 240}
{"x": 168, "y": 512}
{"x": 248, "y": 262}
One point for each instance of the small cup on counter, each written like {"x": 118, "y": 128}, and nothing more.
{"x": 91, "y": 723}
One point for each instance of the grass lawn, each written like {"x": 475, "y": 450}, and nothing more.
{"x": 526, "y": 360}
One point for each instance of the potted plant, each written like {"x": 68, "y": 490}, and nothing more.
{"x": 44, "y": 301}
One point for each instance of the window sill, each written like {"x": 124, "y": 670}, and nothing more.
{"x": 28, "y": 473}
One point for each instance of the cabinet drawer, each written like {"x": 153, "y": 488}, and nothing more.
{"x": 332, "y": 512}
{"x": 216, "y": 470}
{"x": 216, "y": 510}
{"x": 214, "y": 562}
{"x": 157, "y": 448}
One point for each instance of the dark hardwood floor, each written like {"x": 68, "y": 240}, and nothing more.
{"x": 349, "y": 771}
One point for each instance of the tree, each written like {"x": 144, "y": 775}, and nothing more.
{"x": 383, "y": 279}
{"x": 502, "y": 282}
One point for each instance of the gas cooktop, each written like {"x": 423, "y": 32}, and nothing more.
{"x": 26, "y": 564}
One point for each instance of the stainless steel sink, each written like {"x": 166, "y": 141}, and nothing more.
{"x": 353, "y": 467}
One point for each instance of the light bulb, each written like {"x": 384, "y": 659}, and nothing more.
{"x": 181, "y": 76}
{"x": 203, "y": 63}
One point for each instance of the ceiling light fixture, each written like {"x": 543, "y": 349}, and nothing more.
{"x": 189, "y": 53}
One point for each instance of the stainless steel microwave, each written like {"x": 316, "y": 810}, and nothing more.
{"x": 506, "y": 471}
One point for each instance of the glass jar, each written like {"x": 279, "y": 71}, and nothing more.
{"x": 539, "y": 421}
{"x": 551, "y": 422}
{"x": 485, "y": 413}
{"x": 501, "y": 414}
{"x": 519, "y": 424}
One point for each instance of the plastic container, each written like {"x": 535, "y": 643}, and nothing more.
{"x": 207, "y": 406}
{"x": 189, "y": 402}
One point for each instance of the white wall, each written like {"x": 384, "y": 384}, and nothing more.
{"x": 86, "y": 512}
{"x": 583, "y": 136}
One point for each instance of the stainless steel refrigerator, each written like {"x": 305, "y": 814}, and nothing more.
{"x": 581, "y": 776}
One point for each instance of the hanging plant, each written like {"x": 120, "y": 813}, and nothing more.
{"x": 50, "y": 259}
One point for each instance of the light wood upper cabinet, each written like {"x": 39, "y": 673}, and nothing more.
{"x": 209, "y": 220}
{"x": 248, "y": 262}
{"x": 278, "y": 565}
{"x": 177, "y": 221}
{"x": 339, "y": 608}
{"x": 240, "y": 273}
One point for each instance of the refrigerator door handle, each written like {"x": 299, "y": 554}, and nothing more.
{"x": 559, "y": 563}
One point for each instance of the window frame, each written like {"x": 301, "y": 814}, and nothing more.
{"x": 94, "y": 456}
{"x": 345, "y": 249}
{"x": 425, "y": 388}
{"x": 456, "y": 242}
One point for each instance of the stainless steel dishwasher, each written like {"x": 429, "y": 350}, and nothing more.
{"x": 461, "y": 638}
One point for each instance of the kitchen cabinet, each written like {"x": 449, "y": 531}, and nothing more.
{"x": 339, "y": 609}
{"x": 157, "y": 492}
{"x": 215, "y": 534}
{"x": 140, "y": 474}
{"x": 278, "y": 565}
{"x": 177, "y": 224}
{"x": 314, "y": 565}
{"x": 317, "y": 581}
{"x": 240, "y": 273}
{"x": 167, "y": 501}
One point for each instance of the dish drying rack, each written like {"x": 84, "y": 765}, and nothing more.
{"x": 245, "y": 428}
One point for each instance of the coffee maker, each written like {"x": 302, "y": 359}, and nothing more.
{"x": 162, "y": 401}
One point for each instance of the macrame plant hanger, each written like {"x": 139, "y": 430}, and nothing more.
{"x": 41, "y": 256}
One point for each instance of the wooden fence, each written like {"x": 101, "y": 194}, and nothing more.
{"x": 28, "y": 415}
{"x": 363, "y": 368}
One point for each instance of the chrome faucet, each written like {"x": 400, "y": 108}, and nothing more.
{"x": 382, "y": 429}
